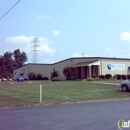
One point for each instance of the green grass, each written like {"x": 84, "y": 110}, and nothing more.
{"x": 56, "y": 92}
{"x": 111, "y": 81}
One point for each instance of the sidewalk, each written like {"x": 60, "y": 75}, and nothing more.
{"x": 106, "y": 83}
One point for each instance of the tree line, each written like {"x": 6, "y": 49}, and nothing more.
{"x": 10, "y": 61}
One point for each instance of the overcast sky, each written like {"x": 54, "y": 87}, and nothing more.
{"x": 66, "y": 28}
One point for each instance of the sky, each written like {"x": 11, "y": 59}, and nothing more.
{"x": 66, "y": 28}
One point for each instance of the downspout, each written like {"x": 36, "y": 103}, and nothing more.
{"x": 101, "y": 65}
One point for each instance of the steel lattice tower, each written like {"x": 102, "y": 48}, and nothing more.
{"x": 35, "y": 50}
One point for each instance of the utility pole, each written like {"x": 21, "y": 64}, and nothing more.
{"x": 35, "y": 50}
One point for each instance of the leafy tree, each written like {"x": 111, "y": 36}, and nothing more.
{"x": 6, "y": 65}
{"x": 10, "y": 61}
{"x": 19, "y": 58}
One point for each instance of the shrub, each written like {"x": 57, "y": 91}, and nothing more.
{"x": 128, "y": 76}
{"x": 45, "y": 78}
{"x": 108, "y": 76}
{"x": 54, "y": 73}
{"x": 123, "y": 76}
{"x": 118, "y": 76}
{"x": 58, "y": 79}
{"x": 66, "y": 72}
{"x": 32, "y": 76}
{"x": 102, "y": 76}
{"x": 39, "y": 76}
{"x": 65, "y": 69}
{"x": 94, "y": 76}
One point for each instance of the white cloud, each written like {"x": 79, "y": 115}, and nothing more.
{"x": 56, "y": 33}
{"x": 46, "y": 49}
{"x": 125, "y": 36}
{"x": 19, "y": 39}
{"x": 43, "y": 17}
{"x": 24, "y": 43}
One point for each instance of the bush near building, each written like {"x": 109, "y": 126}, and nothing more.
{"x": 128, "y": 76}
{"x": 118, "y": 76}
{"x": 45, "y": 78}
{"x": 124, "y": 77}
{"x": 102, "y": 76}
{"x": 54, "y": 73}
{"x": 66, "y": 72}
{"x": 108, "y": 76}
{"x": 39, "y": 76}
{"x": 32, "y": 76}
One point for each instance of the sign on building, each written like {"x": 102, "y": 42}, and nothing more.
{"x": 115, "y": 66}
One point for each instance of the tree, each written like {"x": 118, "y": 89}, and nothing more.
{"x": 19, "y": 58}
{"x": 6, "y": 65}
{"x": 10, "y": 61}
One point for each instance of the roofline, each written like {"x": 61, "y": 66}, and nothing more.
{"x": 114, "y": 58}
{"x": 75, "y": 58}
{"x": 80, "y": 64}
{"x": 91, "y": 58}
{"x": 33, "y": 64}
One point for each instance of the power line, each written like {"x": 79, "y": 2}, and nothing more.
{"x": 9, "y": 10}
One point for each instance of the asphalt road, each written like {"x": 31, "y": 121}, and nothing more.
{"x": 102, "y": 115}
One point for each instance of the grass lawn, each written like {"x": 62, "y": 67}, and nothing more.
{"x": 111, "y": 81}
{"x": 56, "y": 92}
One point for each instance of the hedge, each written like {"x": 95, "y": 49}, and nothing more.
{"x": 45, "y": 78}
{"x": 123, "y": 77}
{"x": 128, "y": 76}
{"x": 39, "y": 76}
{"x": 118, "y": 76}
{"x": 102, "y": 76}
{"x": 108, "y": 76}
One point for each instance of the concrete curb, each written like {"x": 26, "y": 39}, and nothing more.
{"x": 106, "y": 83}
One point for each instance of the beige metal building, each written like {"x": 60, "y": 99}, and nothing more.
{"x": 84, "y": 67}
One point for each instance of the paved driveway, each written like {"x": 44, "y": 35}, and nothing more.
{"x": 102, "y": 115}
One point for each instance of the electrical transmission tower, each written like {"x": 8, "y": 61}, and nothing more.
{"x": 35, "y": 50}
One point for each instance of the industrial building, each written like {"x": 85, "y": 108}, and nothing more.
{"x": 84, "y": 67}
